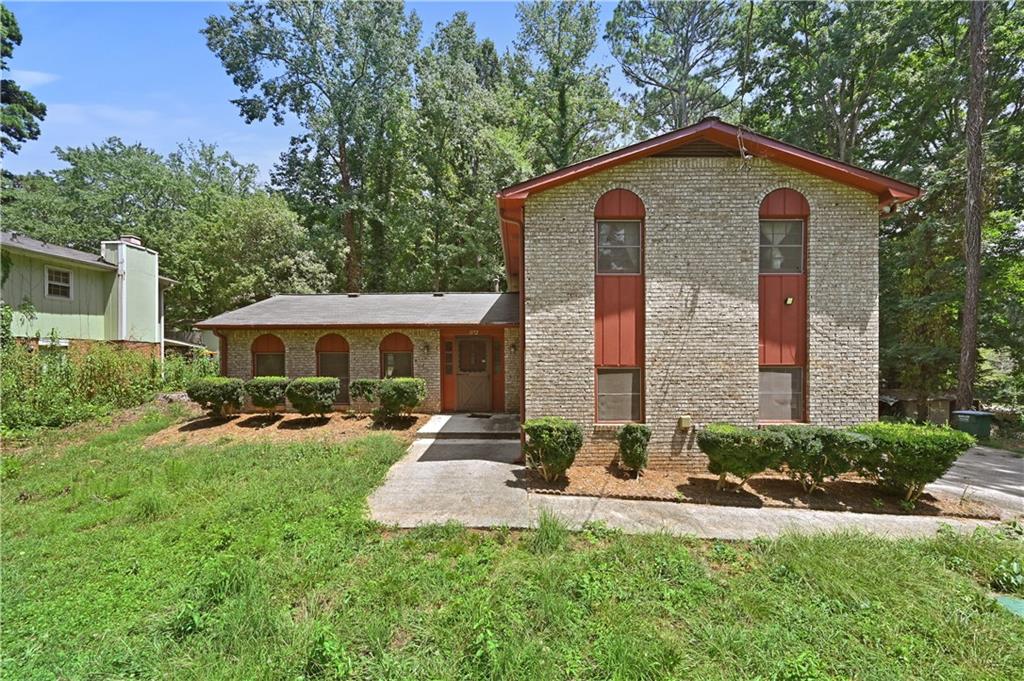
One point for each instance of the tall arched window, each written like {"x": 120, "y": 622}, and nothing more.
{"x": 619, "y": 305}
{"x": 332, "y": 360}
{"x": 268, "y": 356}
{"x": 395, "y": 356}
{"x": 782, "y": 303}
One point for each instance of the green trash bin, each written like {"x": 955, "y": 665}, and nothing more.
{"x": 977, "y": 423}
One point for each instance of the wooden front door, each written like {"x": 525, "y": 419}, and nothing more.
{"x": 473, "y": 374}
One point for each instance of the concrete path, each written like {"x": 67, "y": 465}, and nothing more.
{"x": 989, "y": 475}
{"x": 475, "y": 483}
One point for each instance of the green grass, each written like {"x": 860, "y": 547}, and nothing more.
{"x": 257, "y": 562}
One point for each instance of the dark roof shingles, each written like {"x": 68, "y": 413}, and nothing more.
{"x": 373, "y": 309}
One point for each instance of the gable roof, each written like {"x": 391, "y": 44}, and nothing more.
{"x": 26, "y": 244}
{"x": 372, "y": 310}
{"x": 710, "y": 137}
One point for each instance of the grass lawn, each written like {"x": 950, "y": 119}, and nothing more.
{"x": 254, "y": 561}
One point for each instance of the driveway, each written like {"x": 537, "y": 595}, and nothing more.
{"x": 990, "y": 475}
{"x": 475, "y": 483}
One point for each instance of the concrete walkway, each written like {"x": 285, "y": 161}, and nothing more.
{"x": 475, "y": 483}
{"x": 989, "y": 475}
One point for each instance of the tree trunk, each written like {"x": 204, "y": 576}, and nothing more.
{"x": 973, "y": 209}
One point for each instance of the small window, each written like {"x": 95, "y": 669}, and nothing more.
{"x": 781, "y": 394}
{"x": 269, "y": 364}
{"x": 397, "y": 364}
{"x": 618, "y": 247}
{"x": 782, "y": 246}
{"x": 618, "y": 394}
{"x": 58, "y": 283}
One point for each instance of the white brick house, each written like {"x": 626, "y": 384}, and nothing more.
{"x": 708, "y": 274}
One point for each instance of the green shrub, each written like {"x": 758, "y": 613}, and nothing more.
{"x": 218, "y": 395}
{"x": 633, "y": 439}
{"x": 904, "y": 457}
{"x": 394, "y": 396}
{"x": 399, "y": 396}
{"x": 1008, "y": 577}
{"x": 551, "y": 445}
{"x": 364, "y": 388}
{"x": 814, "y": 453}
{"x": 740, "y": 451}
{"x": 313, "y": 394}
{"x": 267, "y": 392}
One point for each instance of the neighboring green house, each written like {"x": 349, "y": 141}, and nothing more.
{"x": 71, "y": 295}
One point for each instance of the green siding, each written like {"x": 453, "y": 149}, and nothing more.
{"x": 80, "y": 317}
{"x": 141, "y": 287}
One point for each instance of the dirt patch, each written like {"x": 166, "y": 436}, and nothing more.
{"x": 283, "y": 428}
{"x": 849, "y": 493}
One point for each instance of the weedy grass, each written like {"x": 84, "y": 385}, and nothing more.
{"x": 256, "y": 561}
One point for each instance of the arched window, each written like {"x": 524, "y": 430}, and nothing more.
{"x": 782, "y": 303}
{"x": 619, "y": 305}
{"x": 332, "y": 360}
{"x": 268, "y": 356}
{"x": 395, "y": 356}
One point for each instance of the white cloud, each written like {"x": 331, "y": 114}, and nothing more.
{"x": 31, "y": 79}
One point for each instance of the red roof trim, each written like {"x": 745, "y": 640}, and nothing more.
{"x": 886, "y": 188}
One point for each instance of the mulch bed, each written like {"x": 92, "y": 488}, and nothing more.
{"x": 769, "y": 490}
{"x": 281, "y": 428}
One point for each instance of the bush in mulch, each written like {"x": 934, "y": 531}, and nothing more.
{"x": 633, "y": 439}
{"x": 551, "y": 445}
{"x": 267, "y": 392}
{"x": 740, "y": 451}
{"x": 218, "y": 395}
{"x": 313, "y": 394}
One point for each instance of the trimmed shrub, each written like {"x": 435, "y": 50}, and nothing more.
{"x": 267, "y": 392}
{"x": 740, "y": 451}
{"x": 633, "y": 439}
{"x": 394, "y": 396}
{"x": 904, "y": 457}
{"x": 313, "y": 394}
{"x": 551, "y": 445}
{"x": 218, "y": 395}
{"x": 815, "y": 453}
{"x": 364, "y": 388}
{"x": 398, "y": 396}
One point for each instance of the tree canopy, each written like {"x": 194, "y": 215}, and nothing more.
{"x": 20, "y": 111}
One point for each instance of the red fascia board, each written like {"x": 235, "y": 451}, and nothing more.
{"x": 239, "y": 327}
{"x": 886, "y": 188}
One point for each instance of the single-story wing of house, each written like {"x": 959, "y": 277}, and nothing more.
{"x": 708, "y": 274}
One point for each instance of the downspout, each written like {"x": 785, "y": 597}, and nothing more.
{"x": 222, "y": 351}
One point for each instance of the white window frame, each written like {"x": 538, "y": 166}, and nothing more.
{"x": 71, "y": 283}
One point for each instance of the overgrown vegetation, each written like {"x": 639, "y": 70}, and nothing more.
{"x": 53, "y": 386}
{"x": 551, "y": 445}
{"x": 255, "y": 561}
{"x": 218, "y": 395}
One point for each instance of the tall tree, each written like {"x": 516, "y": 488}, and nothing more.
{"x": 343, "y": 69}
{"x": 823, "y": 70}
{"x": 972, "y": 228}
{"x": 566, "y": 104}
{"x": 681, "y": 55}
{"x": 466, "y": 150}
{"x": 20, "y": 111}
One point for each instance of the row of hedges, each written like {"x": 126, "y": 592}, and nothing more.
{"x": 901, "y": 457}
{"x": 221, "y": 396}
{"x": 51, "y": 387}
{"x": 309, "y": 395}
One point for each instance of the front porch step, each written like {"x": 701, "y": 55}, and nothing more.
{"x": 471, "y": 427}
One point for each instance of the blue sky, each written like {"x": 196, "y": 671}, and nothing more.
{"x": 142, "y": 72}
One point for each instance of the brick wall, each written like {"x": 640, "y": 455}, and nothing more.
{"x": 512, "y": 370}
{"x": 364, "y": 355}
{"x": 702, "y": 298}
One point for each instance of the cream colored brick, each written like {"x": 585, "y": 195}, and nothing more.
{"x": 701, "y": 298}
